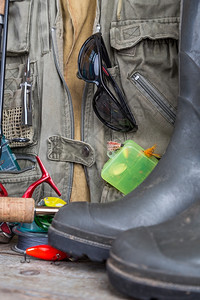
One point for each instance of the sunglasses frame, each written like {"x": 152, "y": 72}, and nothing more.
{"x": 101, "y": 85}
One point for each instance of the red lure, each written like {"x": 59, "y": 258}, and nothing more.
{"x": 46, "y": 252}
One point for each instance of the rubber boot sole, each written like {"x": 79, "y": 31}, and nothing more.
{"x": 78, "y": 246}
{"x": 130, "y": 284}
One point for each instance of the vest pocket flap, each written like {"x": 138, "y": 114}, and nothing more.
{"x": 126, "y": 34}
{"x": 64, "y": 149}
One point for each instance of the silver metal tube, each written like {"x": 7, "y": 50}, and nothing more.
{"x": 45, "y": 210}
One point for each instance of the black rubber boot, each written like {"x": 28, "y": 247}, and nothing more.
{"x": 159, "y": 262}
{"x": 89, "y": 228}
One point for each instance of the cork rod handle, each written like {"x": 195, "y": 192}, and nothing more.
{"x": 17, "y": 209}
{"x": 2, "y": 7}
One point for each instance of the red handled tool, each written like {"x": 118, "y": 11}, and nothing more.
{"x": 23, "y": 209}
{"x": 44, "y": 178}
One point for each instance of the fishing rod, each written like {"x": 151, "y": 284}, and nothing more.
{"x": 4, "y": 8}
{"x": 22, "y": 210}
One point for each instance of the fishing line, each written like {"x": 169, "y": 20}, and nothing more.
{"x": 29, "y": 239}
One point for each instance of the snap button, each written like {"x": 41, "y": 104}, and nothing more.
{"x": 85, "y": 151}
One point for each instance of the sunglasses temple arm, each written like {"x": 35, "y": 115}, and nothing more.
{"x": 121, "y": 97}
{"x": 105, "y": 54}
{"x": 115, "y": 86}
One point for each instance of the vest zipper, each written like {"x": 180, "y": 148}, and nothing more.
{"x": 54, "y": 48}
{"x": 153, "y": 95}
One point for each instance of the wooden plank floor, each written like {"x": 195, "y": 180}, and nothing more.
{"x": 43, "y": 280}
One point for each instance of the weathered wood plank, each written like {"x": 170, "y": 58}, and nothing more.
{"x": 39, "y": 279}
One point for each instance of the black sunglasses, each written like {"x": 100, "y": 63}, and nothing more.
{"x": 108, "y": 103}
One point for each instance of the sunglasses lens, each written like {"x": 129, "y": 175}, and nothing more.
{"x": 110, "y": 113}
{"x": 89, "y": 61}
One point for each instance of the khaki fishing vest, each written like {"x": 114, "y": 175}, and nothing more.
{"x": 142, "y": 41}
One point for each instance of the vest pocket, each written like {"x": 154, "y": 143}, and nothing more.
{"x": 13, "y": 105}
{"x": 155, "y": 97}
{"x": 19, "y": 27}
{"x": 110, "y": 194}
{"x": 146, "y": 53}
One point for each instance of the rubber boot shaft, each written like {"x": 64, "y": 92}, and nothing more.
{"x": 88, "y": 228}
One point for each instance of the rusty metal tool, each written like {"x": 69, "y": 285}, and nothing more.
{"x": 26, "y": 96}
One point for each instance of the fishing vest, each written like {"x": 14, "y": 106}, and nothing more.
{"x": 142, "y": 41}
